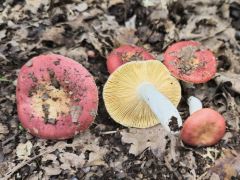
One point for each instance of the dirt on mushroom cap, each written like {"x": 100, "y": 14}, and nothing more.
{"x": 46, "y": 97}
{"x": 190, "y": 62}
{"x": 124, "y": 54}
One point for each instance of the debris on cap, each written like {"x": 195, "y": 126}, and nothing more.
{"x": 190, "y": 62}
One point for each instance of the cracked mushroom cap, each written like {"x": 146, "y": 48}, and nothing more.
{"x": 124, "y": 54}
{"x": 121, "y": 97}
{"x": 56, "y": 97}
{"x": 190, "y": 62}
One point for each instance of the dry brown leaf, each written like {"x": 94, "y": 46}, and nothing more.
{"x": 49, "y": 157}
{"x": 24, "y": 150}
{"x": 3, "y": 33}
{"x": 3, "y": 129}
{"x": 232, "y": 113}
{"x": 125, "y": 36}
{"x": 161, "y": 4}
{"x": 227, "y": 166}
{"x": 86, "y": 142}
{"x": 115, "y": 2}
{"x": 92, "y": 13}
{"x": 81, "y": 7}
{"x": 79, "y": 53}
{"x": 117, "y": 164}
{"x": 96, "y": 156}
{"x": 213, "y": 25}
{"x": 72, "y": 160}
{"x": 34, "y": 5}
{"x": 131, "y": 23}
{"x": 140, "y": 139}
{"x": 51, "y": 171}
{"x": 5, "y": 166}
{"x": 234, "y": 79}
{"x": 92, "y": 38}
{"x": 54, "y": 34}
{"x": 233, "y": 58}
{"x": 37, "y": 176}
{"x": 55, "y": 168}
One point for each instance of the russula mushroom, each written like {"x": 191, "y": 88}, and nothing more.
{"x": 204, "y": 127}
{"x": 190, "y": 62}
{"x": 126, "y": 53}
{"x": 143, "y": 93}
{"x": 56, "y": 97}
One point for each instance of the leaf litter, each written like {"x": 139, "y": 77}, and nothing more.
{"x": 108, "y": 150}
{"x": 141, "y": 139}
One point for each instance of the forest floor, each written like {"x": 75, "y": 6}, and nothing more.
{"x": 87, "y": 31}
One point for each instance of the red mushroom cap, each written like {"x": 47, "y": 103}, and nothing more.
{"x": 56, "y": 97}
{"x": 124, "y": 54}
{"x": 204, "y": 127}
{"x": 190, "y": 62}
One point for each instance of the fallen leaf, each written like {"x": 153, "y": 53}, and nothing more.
{"x": 5, "y": 167}
{"x": 162, "y": 4}
{"x": 131, "y": 23}
{"x": 115, "y": 2}
{"x": 3, "y": 33}
{"x": 92, "y": 38}
{"x": 24, "y": 150}
{"x": 3, "y": 129}
{"x": 85, "y": 142}
{"x": 96, "y": 156}
{"x": 52, "y": 171}
{"x": 49, "y": 157}
{"x": 118, "y": 163}
{"x": 228, "y": 77}
{"x": 232, "y": 113}
{"x": 203, "y": 26}
{"x": 140, "y": 139}
{"x": 189, "y": 161}
{"x": 81, "y": 7}
{"x": 228, "y": 166}
{"x": 232, "y": 54}
{"x": 72, "y": 160}
{"x": 125, "y": 36}
{"x": 34, "y": 5}
{"x": 54, "y": 34}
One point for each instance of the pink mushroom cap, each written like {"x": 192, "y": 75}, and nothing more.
{"x": 204, "y": 127}
{"x": 124, "y": 54}
{"x": 56, "y": 97}
{"x": 190, "y": 62}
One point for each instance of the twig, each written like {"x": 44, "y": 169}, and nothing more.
{"x": 9, "y": 139}
{"x": 176, "y": 173}
{"x": 108, "y": 132}
{"x": 23, "y": 163}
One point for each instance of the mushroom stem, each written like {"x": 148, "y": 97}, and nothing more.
{"x": 194, "y": 104}
{"x": 160, "y": 105}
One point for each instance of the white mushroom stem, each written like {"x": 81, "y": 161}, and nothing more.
{"x": 194, "y": 104}
{"x": 160, "y": 105}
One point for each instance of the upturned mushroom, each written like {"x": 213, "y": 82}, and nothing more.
{"x": 56, "y": 97}
{"x": 204, "y": 126}
{"x": 142, "y": 94}
{"x": 190, "y": 62}
{"x": 124, "y": 54}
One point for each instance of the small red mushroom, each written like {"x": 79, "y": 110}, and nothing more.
{"x": 56, "y": 97}
{"x": 190, "y": 62}
{"x": 124, "y": 54}
{"x": 204, "y": 127}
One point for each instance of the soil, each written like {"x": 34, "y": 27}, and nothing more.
{"x": 87, "y": 31}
